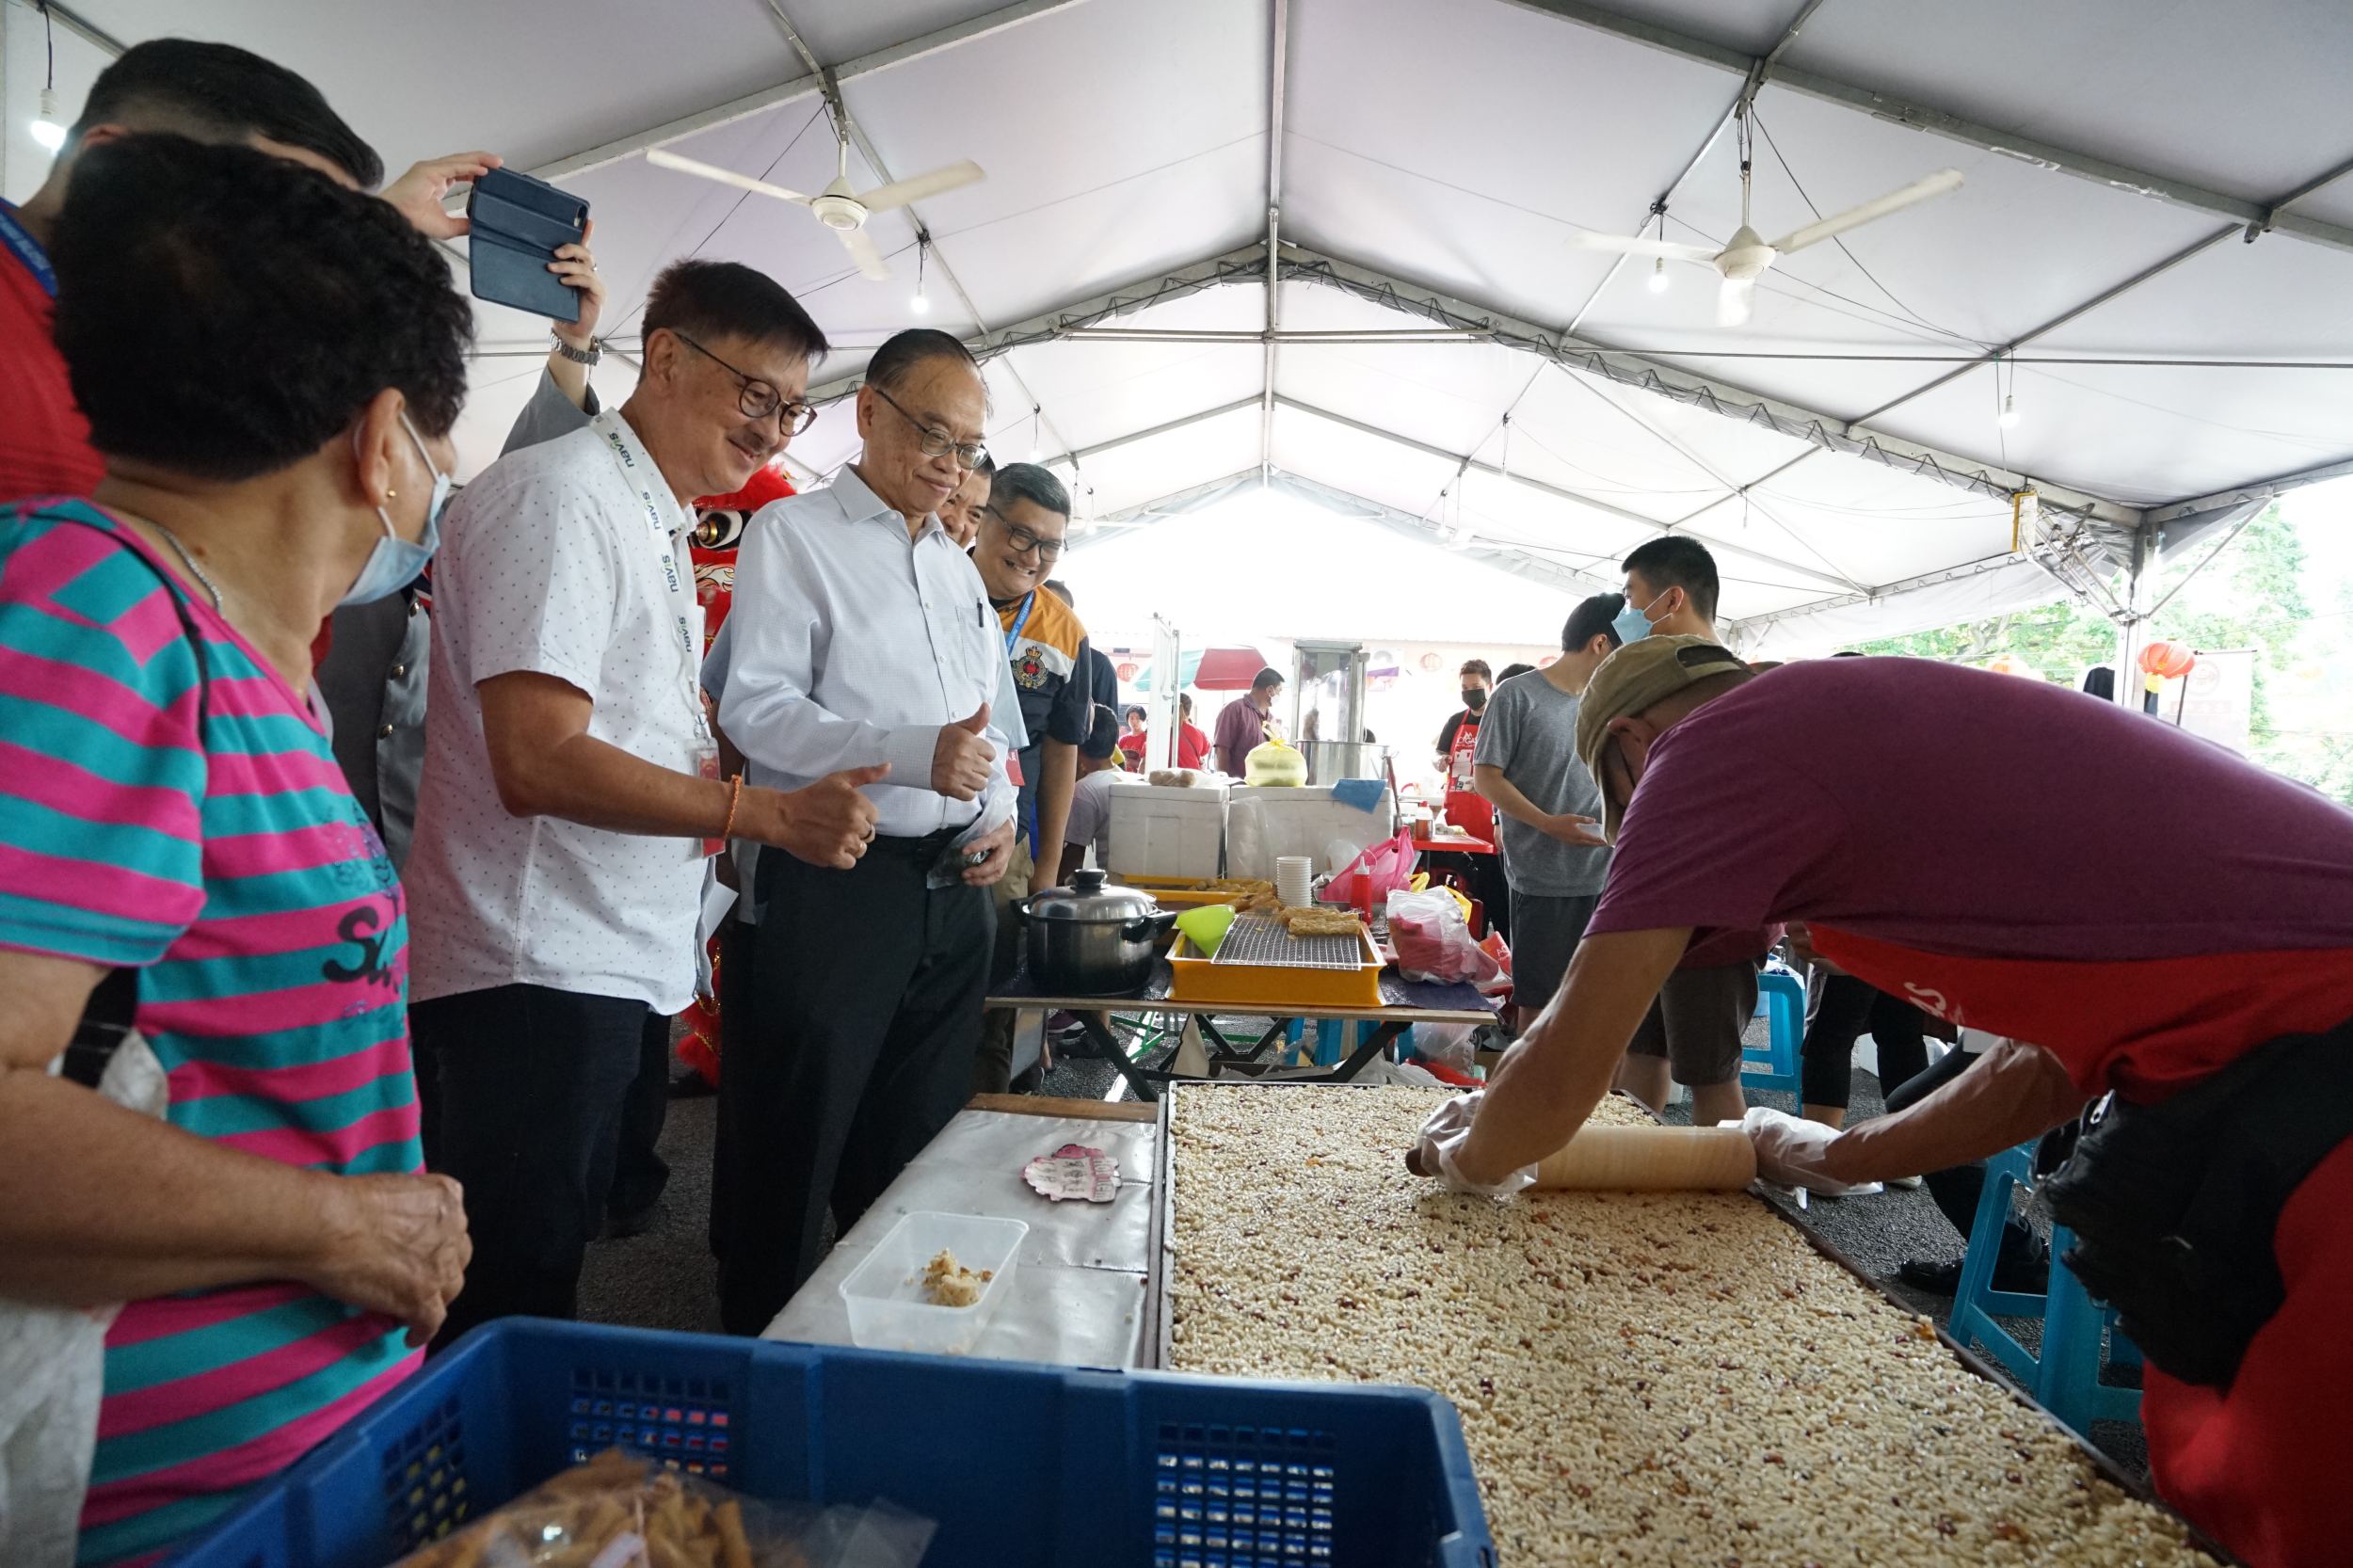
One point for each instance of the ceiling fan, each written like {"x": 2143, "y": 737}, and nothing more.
{"x": 837, "y": 207}
{"x": 1747, "y": 254}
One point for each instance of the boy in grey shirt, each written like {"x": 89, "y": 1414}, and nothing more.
{"x": 1547, "y": 803}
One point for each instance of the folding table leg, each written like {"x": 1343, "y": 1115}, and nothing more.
{"x": 1375, "y": 1044}
{"x": 1107, "y": 1047}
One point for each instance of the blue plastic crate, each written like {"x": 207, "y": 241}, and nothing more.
{"x": 1019, "y": 1465}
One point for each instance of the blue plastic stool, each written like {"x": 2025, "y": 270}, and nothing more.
{"x": 1781, "y": 999}
{"x": 2068, "y": 1384}
{"x": 2065, "y": 1377}
{"x": 1336, "y": 1039}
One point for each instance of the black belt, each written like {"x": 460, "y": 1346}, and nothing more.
{"x": 2174, "y": 1205}
{"x": 930, "y": 847}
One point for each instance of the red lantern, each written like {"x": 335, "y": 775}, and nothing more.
{"x": 2166, "y": 660}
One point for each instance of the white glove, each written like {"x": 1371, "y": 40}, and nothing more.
{"x": 1791, "y": 1152}
{"x": 1443, "y": 1136}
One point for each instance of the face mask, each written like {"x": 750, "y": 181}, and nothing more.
{"x": 1475, "y": 699}
{"x": 394, "y": 562}
{"x": 1632, "y": 624}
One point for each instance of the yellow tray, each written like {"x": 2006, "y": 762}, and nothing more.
{"x": 1274, "y": 985}
{"x": 1177, "y": 892}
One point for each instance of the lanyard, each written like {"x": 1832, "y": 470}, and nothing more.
{"x": 638, "y": 470}
{"x": 1012, "y": 632}
{"x": 27, "y": 249}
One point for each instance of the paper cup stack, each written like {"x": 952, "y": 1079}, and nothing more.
{"x": 1294, "y": 876}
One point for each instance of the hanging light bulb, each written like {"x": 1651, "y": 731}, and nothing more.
{"x": 921, "y": 303}
{"x": 1037, "y": 451}
{"x": 48, "y": 129}
{"x": 2010, "y": 412}
{"x": 1658, "y": 276}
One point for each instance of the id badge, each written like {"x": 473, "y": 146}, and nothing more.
{"x": 707, "y": 766}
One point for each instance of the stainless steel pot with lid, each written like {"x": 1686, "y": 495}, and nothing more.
{"x": 1091, "y": 938}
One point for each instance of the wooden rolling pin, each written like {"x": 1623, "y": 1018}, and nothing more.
{"x": 1651, "y": 1160}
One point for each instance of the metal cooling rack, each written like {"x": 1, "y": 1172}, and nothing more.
{"x": 1262, "y": 941}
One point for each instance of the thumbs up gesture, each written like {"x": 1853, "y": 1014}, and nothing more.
{"x": 963, "y": 756}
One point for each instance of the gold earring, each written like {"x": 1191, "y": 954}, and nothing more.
{"x": 391, "y": 494}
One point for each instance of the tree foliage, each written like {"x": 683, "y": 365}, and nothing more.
{"x": 2252, "y": 596}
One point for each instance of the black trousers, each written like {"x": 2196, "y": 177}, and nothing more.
{"x": 861, "y": 1046}
{"x": 738, "y": 951}
{"x": 639, "y": 1171}
{"x": 1957, "y": 1187}
{"x": 531, "y": 1084}
{"x": 1849, "y": 1009}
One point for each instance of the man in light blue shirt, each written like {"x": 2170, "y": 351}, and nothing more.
{"x": 861, "y": 630}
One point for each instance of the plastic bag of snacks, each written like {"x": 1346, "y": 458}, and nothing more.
{"x": 1433, "y": 941}
{"x": 618, "y": 1510}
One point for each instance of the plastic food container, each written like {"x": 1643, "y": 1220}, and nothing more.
{"x": 888, "y": 1307}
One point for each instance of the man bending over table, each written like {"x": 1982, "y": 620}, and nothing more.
{"x": 2211, "y": 993}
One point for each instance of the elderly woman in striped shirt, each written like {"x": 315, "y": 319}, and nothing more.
{"x": 270, "y": 364}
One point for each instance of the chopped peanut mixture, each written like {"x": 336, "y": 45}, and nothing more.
{"x": 947, "y": 1283}
{"x": 1667, "y": 1379}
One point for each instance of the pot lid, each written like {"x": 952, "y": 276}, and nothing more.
{"x": 1089, "y": 899}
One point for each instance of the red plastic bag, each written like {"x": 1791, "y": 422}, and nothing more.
{"x": 1433, "y": 941}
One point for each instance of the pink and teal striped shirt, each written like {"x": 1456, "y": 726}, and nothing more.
{"x": 235, "y": 871}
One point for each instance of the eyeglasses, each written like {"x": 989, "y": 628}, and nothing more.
{"x": 757, "y": 398}
{"x": 1024, "y": 541}
{"x": 937, "y": 443}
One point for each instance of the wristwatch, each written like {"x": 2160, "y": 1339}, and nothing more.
{"x": 588, "y": 355}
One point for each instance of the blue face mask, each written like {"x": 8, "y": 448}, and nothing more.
{"x": 394, "y": 562}
{"x": 1632, "y": 624}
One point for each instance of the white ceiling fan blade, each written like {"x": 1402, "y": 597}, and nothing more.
{"x": 860, "y": 245}
{"x": 1732, "y": 301}
{"x": 1894, "y": 201}
{"x": 1634, "y": 245}
{"x": 900, "y": 192}
{"x": 663, "y": 159}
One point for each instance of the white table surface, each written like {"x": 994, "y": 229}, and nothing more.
{"x": 1077, "y": 1295}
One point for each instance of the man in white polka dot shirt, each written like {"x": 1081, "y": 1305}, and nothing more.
{"x": 571, "y": 789}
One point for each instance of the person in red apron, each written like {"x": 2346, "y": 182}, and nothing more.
{"x": 2204, "y": 999}
{"x": 719, "y": 525}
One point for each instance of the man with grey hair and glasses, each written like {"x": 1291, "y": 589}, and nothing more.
{"x": 862, "y": 632}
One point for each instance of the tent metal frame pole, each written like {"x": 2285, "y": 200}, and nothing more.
{"x": 1471, "y": 464}
{"x": 1631, "y": 369}
{"x": 1509, "y": 562}
{"x": 2231, "y": 528}
{"x": 1920, "y": 117}
{"x": 2132, "y": 625}
{"x": 811, "y": 86}
{"x": 2263, "y": 489}
{"x": 1281, "y": 50}
{"x": 80, "y": 26}
{"x": 1245, "y": 265}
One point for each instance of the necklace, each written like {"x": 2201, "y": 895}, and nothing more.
{"x": 186, "y": 560}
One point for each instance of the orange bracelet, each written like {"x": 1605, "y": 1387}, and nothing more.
{"x": 735, "y": 793}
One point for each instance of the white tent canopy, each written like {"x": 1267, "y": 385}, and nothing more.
{"x": 2139, "y": 188}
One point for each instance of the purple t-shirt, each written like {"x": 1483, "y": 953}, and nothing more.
{"x": 2005, "y": 850}
{"x": 1241, "y": 731}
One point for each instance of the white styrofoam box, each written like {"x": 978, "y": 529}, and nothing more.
{"x": 1264, "y": 825}
{"x": 1167, "y": 830}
